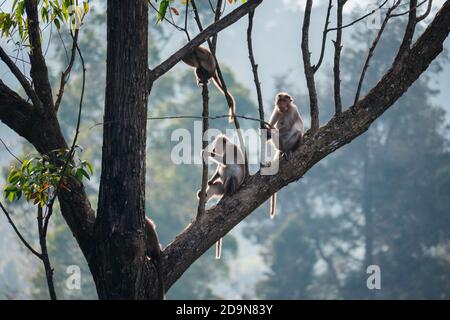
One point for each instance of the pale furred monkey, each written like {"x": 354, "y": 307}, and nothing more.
{"x": 204, "y": 63}
{"x": 289, "y": 129}
{"x": 229, "y": 174}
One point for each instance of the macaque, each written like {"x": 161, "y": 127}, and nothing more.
{"x": 229, "y": 175}
{"x": 153, "y": 252}
{"x": 288, "y": 123}
{"x": 204, "y": 63}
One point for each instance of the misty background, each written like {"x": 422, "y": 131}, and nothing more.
{"x": 382, "y": 200}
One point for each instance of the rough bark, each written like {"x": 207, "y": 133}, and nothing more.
{"x": 119, "y": 261}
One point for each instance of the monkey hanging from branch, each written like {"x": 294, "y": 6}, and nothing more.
{"x": 229, "y": 175}
{"x": 205, "y": 65}
{"x": 288, "y": 133}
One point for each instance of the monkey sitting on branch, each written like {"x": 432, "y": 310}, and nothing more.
{"x": 229, "y": 175}
{"x": 205, "y": 65}
{"x": 289, "y": 130}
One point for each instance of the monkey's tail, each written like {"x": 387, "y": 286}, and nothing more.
{"x": 230, "y": 99}
{"x": 273, "y": 205}
{"x": 219, "y": 248}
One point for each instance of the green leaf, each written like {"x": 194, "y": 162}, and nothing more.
{"x": 162, "y": 10}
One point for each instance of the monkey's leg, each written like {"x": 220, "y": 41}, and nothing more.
{"x": 215, "y": 176}
{"x": 202, "y": 76}
{"x": 215, "y": 189}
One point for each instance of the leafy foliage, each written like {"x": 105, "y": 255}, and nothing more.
{"x": 51, "y": 11}
{"x": 39, "y": 177}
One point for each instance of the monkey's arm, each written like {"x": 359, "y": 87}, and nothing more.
{"x": 219, "y": 159}
{"x": 272, "y": 121}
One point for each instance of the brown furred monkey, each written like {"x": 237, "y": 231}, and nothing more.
{"x": 288, "y": 124}
{"x": 229, "y": 175}
{"x": 204, "y": 63}
{"x": 153, "y": 252}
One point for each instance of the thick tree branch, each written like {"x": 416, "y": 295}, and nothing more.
{"x": 15, "y": 112}
{"x": 219, "y": 220}
{"x": 309, "y": 70}
{"x": 39, "y": 71}
{"x": 216, "y": 27}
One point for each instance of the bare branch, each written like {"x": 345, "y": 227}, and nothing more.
{"x": 337, "y": 58}
{"x": 216, "y": 27}
{"x": 372, "y": 49}
{"x": 67, "y": 71}
{"x": 427, "y": 12}
{"x": 44, "y": 257}
{"x": 339, "y": 131}
{"x": 205, "y": 125}
{"x": 409, "y": 32}
{"x": 25, "y": 242}
{"x": 217, "y": 14}
{"x": 324, "y": 37}
{"x": 21, "y": 78}
{"x": 361, "y": 18}
{"x": 309, "y": 71}
{"x": 257, "y": 82}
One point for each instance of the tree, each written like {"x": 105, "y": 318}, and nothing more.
{"x": 113, "y": 240}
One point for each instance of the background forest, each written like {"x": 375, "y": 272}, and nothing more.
{"x": 383, "y": 199}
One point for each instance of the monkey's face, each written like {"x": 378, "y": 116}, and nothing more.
{"x": 283, "y": 102}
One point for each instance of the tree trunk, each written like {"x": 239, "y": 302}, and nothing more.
{"x": 119, "y": 261}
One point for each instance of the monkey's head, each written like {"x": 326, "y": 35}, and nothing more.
{"x": 283, "y": 101}
{"x": 220, "y": 144}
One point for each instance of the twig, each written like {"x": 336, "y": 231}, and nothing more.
{"x": 324, "y": 37}
{"x": 409, "y": 10}
{"x": 361, "y": 18}
{"x": 44, "y": 257}
{"x": 9, "y": 151}
{"x": 67, "y": 71}
{"x": 372, "y": 49}
{"x": 21, "y": 78}
{"x": 25, "y": 242}
{"x": 427, "y": 12}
